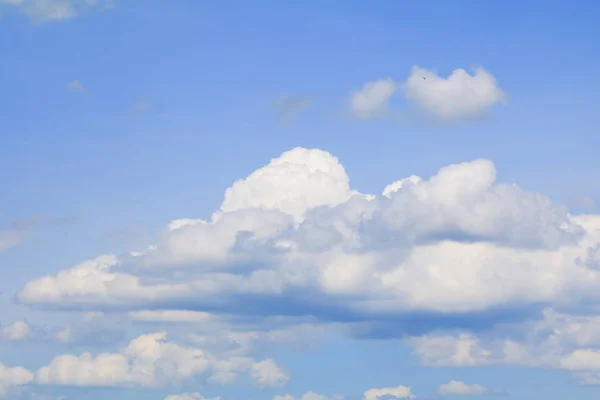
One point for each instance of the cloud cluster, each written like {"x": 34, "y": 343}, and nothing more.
{"x": 460, "y": 96}
{"x": 558, "y": 340}
{"x": 40, "y": 11}
{"x": 147, "y": 361}
{"x": 294, "y": 239}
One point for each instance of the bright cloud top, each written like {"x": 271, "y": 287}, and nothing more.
{"x": 294, "y": 233}
{"x": 460, "y": 96}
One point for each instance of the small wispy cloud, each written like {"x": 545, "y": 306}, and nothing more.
{"x": 41, "y": 11}
{"x": 587, "y": 202}
{"x": 287, "y": 106}
{"x": 76, "y": 86}
{"x": 141, "y": 105}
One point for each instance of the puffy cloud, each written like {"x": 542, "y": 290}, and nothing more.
{"x": 557, "y": 340}
{"x": 40, "y": 11}
{"x": 373, "y": 99}
{"x": 461, "y": 388}
{"x": 296, "y": 181}
{"x": 148, "y": 361}
{"x": 11, "y": 377}
{"x": 400, "y": 392}
{"x": 18, "y": 330}
{"x": 294, "y": 239}
{"x": 459, "y": 96}
{"x": 267, "y": 373}
{"x": 189, "y": 396}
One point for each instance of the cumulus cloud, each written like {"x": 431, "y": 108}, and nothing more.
{"x": 267, "y": 373}
{"x": 40, "y": 11}
{"x": 18, "y": 330}
{"x": 372, "y": 100}
{"x": 399, "y": 392}
{"x": 461, "y": 388}
{"x": 294, "y": 239}
{"x": 459, "y": 96}
{"x": 557, "y": 340}
{"x": 11, "y": 377}
{"x": 150, "y": 361}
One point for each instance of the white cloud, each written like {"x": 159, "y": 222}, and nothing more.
{"x": 18, "y": 330}
{"x": 267, "y": 373}
{"x": 148, "y": 361}
{"x": 11, "y": 377}
{"x": 169, "y": 316}
{"x": 459, "y": 96}
{"x": 461, "y": 388}
{"x": 457, "y": 242}
{"x": 373, "y": 99}
{"x": 558, "y": 340}
{"x": 190, "y": 396}
{"x": 40, "y": 11}
{"x": 296, "y": 181}
{"x": 399, "y": 392}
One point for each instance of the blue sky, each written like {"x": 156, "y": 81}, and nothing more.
{"x": 281, "y": 131}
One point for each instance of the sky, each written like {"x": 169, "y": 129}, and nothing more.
{"x": 310, "y": 200}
